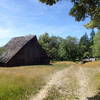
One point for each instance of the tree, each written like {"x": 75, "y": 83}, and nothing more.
{"x": 82, "y": 9}
{"x": 93, "y": 24}
{"x": 49, "y": 2}
{"x": 44, "y": 41}
{"x": 84, "y": 40}
{"x": 96, "y": 45}
{"x": 87, "y": 8}
{"x": 68, "y": 49}
{"x": 71, "y": 48}
{"x": 53, "y": 47}
{"x": 62, "y": 52}
{"x": 92, "y": 34}
{"x": 84, "y": 46}
{"x": 1, "y": 52}
{"x": 50, "y": 44}
{"x": 58, "y": 48}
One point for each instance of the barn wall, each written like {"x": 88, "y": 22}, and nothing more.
{"x": 30, "y": 54}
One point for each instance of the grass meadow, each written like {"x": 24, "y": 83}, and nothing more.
{"x": 92, "y": 64}
{"x": 93, "y": 72}
{"x": 19, "y": 83}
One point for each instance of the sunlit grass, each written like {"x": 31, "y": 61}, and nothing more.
{"x": 54, "y": 94}
{"x": 19, "y": 83}
{"x": 92, "y": 64}
{"x": 96, "y": 81}
{"x": 64, "y": 62}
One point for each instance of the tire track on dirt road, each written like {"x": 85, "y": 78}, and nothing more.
{"x": 55, "y": 80}
{"x": 75, "y": 75}
{"x": 83, "y": 79}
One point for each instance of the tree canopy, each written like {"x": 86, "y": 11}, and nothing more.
{"x": 82, "y": 9}
{"x": 58, "y": 48}
{"x": 96, "y": 45}
{"x": 69, "y": 48}
{"x": 84, "y": 46}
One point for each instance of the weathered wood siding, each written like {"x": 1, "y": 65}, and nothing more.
{"x": 30, "y": 54}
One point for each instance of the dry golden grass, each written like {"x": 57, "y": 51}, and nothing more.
{"x": 18, "y": 83}
{"x": 64, "y": 62}
{"x": 92, "y": 64}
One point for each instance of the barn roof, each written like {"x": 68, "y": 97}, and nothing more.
{"x": 14, "y": 45}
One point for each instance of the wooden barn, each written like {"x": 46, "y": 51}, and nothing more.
{"x": 24, "y": 50}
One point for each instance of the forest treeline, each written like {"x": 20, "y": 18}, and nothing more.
{"x": 71, "y": 48}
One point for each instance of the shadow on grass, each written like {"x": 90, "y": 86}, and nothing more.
{"x": 1, "y": 66}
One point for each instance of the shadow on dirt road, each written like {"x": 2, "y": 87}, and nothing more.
{"x": 96, "y": 97}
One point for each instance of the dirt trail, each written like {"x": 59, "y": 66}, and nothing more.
{"x": 55, "y": 80}
{"x": 65, "y": 77}
{"x": 83, "y": 79}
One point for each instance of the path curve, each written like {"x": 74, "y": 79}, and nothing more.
{"x": 79, "y": 73}
{"x": 55, "y": 79}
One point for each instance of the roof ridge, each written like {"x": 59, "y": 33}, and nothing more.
{"x": 7, "y": 57}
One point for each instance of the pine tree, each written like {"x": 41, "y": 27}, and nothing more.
{"x": 84, "y": 46}
{"x": 92, "y": 34}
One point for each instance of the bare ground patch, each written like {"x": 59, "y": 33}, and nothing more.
{"x": 72, "y": 83}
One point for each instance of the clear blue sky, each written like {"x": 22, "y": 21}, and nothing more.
{"x": 24, "y": 17}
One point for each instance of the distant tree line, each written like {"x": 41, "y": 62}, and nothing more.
{"x": 70, "y": 48}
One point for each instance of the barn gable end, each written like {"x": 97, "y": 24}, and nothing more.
{"x": 24, "y": 51}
